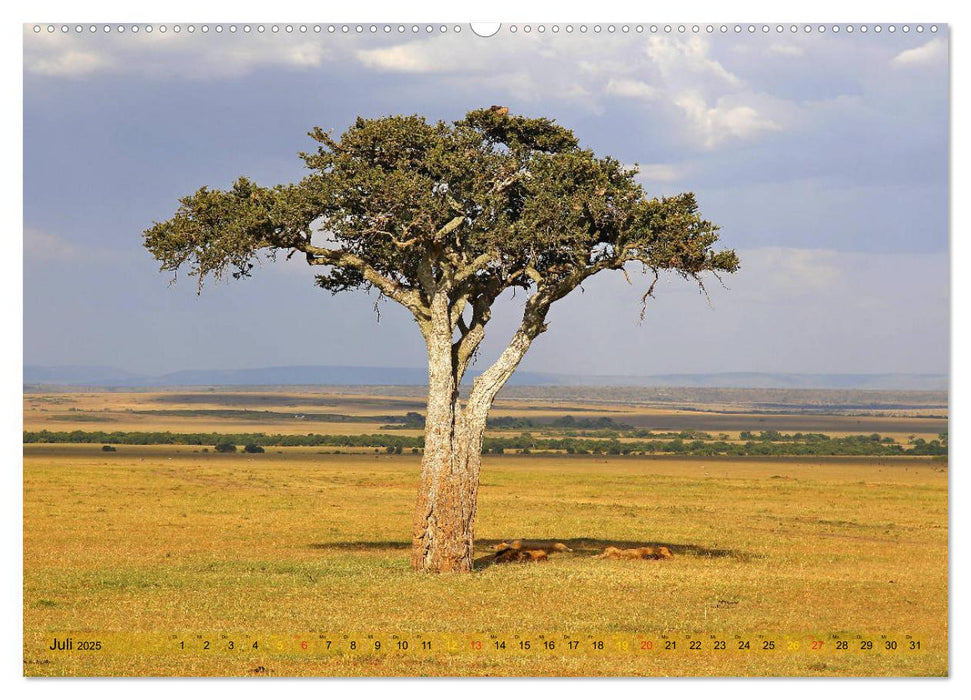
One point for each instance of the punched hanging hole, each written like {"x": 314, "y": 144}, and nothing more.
{"x": 485, "y": 29}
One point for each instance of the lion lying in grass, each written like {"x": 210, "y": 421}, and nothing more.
{"x": 636, "y": 553}
{"x": 507, "y": 553}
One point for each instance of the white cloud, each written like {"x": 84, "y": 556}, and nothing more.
{"x": 69, "y": 63}
{"x": 724, "y": 121}
{"x": 493, "y": 67}
{"x": 449, "y": 54}
{"x": 933, "y": 51}
{"x": 677, "y": 60}
{"x": 626, "y": 87}
{"x": 661, "y": 172}
{"x": 306, "y": 54}
{"x": 41, "y": 245}
{"x": 798, "y": 271}
{"x": 786, "y": 50}
{"x": 413, "y": 57}
{"x": 49, "y": 247}
{"x": 713, "y": 105}
{"x": 166, "y": 55}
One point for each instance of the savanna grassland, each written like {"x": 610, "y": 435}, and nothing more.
{"x": 178, "y": 538}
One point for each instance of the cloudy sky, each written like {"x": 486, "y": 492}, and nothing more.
{"x": 823, "y": 157}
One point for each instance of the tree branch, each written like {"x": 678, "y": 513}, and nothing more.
{"x": 464, "y": 349}
{"x": 488, "y": 384}
{"x": 453, "y": 224}
{"x": 469, "y": 269}
{"x": 458, "y": 308}
{"x": 387, "y": 286}
{"x": 399, "y": 241}
{"x": 503, "y": 185}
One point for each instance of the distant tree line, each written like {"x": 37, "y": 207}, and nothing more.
{"x": 222, "y": 439}
{"x": 861, "y": 445}
{"x": 410, "y": 419}
{"x": 563, "y": 422}
{"x": 774, "y": 444}
{"x": 568, "y": 423}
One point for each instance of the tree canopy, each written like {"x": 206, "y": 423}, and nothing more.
{"x": 465, "y": 209}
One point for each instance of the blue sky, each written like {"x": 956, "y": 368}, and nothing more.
{"x": 822, "y": 157}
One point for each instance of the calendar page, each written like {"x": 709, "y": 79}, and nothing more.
{"x": 519, "y": 349}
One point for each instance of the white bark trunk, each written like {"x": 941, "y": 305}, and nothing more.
{"x": 444, "y": 524}
{"x": 444, "y": 521}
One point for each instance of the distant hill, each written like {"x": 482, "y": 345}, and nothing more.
{"x": 79, "y": 375}
{"x": 765, "y": 380}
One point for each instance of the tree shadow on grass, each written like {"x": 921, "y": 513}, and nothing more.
{"x": 581, "y": 546}
{"x": 365, "y": 545}
{"x": 587, "y": 547}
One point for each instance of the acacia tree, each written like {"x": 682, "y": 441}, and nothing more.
{"x": 442, "y": 219}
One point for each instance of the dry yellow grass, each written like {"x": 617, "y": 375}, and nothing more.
{"x": 154, "y": 539}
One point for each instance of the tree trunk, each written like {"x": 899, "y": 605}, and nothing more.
{"x": 444, "y": 521}
{"x": 444, "y": 527}
{"x": 444, "y": 524}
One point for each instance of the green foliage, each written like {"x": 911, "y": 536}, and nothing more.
{"x": 108, "y": 448}
{"x": 253, "y": 448}
{"x": 472, "y": 207}
{"x": 225, "y": 445}
{"x": 414, "y": 419}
